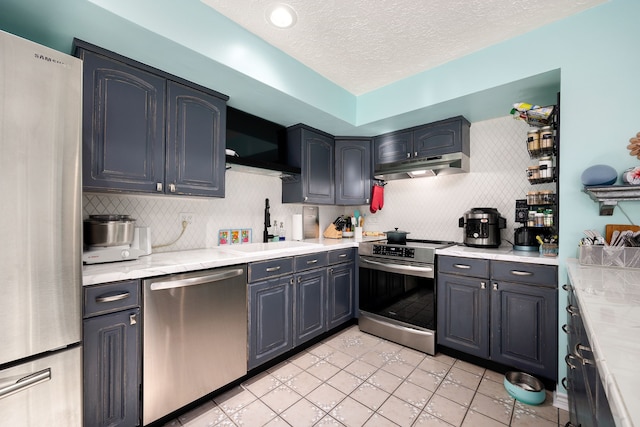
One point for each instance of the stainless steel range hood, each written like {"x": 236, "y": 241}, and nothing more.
{"x": 429, "y": 166}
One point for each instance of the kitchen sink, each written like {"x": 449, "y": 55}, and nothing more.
{"x": 283, "y": 246}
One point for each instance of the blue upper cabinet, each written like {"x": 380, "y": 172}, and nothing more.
{"x": 313, "y": 152}
{"x": 420, "y": 142}
{"x": 195, "y": 156}
{"x": 146, "y": 131}
{"x": 123, "y": 126}
{"x": 353, "y": 170}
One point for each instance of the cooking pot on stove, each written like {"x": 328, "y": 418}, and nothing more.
{"x": 482, "y": 227}
{"x": 108, "y": 230}
{"x": 397, "y": 237}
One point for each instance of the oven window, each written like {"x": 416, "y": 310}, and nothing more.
{"x": 409, "y": 299}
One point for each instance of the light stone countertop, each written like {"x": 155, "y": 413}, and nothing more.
{"x": 163, "y": 263}
{"x": 609, "y": 300}
{"x": 503, "y": 253}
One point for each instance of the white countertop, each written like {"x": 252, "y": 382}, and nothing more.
{"x": 162, "y": 263}
{"x": 609, "y": 300}
{"x": 503, "y": 253}
{"x": 199, "y": 259}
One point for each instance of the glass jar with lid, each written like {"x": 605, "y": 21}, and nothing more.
{"x": 546, "y": 197}
{"x": 533, "y": 140}
{"x": 546, "y": 138}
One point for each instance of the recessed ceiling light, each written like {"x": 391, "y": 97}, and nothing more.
{"x": 281, "y": 15}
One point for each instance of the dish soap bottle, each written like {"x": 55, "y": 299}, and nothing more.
{"x": 276, "y": 231}
{"x": 281, "y": 231}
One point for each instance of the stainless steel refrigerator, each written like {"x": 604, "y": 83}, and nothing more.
{"x": 40, "y": 236}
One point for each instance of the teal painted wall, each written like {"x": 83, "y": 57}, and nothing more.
{"x": 592, "y": 57}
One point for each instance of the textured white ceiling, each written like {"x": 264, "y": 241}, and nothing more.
{"x": 362, "y": 45}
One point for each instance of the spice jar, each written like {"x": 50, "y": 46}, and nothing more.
{"x": 539, "y": 219}
{"x": 546, "y": 137}
{"x": 545, "y": 165}
{"x": 531, "y": 219}
{"x": 533, "y": 198}
{"x": 533, "y": 140}
{"x": 533, "y": 172}
{"x": 546, "y": 197}
{"x": 548, "y": 218}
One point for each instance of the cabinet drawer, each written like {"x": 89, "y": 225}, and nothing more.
{"x": 111, "y": 297}
{"x": 536, "y": 274}
{"x": 341, "y": 255}
{"x": 305, "y": 262}
{"x": 270, "y": 268}
{"x": 465, "y": 266}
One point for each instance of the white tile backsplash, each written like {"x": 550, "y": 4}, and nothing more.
{"x": 425, "y": 207}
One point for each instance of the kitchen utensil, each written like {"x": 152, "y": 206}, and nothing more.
{"x": 108, "y": 230}
{"x": 396, "y": 237}
{"x": 356, "y": 215}
{"x": 610, "y": 228}
{"x": 340, "y": 222}
{"x": 524, "y": 387}
{"x": 614, "y": 238}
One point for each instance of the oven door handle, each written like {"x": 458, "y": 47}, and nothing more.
{"x": 399, "y": 268}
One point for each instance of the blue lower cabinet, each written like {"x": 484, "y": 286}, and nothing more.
{"x": 270, "y": 319}
{"x": 341, "y": 294}
{"x": 310, "y": 312}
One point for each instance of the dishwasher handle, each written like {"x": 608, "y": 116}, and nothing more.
{"x": 198, "y": 280}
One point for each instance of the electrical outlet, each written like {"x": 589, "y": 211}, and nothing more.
{"x": 186, "y": 217}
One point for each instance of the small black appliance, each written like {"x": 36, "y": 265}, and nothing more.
{"x": 482, "y": 227}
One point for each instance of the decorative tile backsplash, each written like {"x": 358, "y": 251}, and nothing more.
{"x": 425, "y": 207}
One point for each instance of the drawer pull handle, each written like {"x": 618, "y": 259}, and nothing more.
{"x": 25, "y": 382}
{"x": 312, "y": 261}
{"x": 521, "y": 273}
{"x": 342, "y": 256}
{"x": 462, "y": 266}
{"x": 272, "y": 269}
{"x": 112, "y": 298}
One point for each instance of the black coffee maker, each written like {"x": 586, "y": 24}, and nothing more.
{"x": 525, "y": 237}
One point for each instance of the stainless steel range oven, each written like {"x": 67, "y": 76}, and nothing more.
{"x": 398, "y": 292}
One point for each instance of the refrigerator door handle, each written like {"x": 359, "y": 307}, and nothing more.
{"x": 26, "y": 382}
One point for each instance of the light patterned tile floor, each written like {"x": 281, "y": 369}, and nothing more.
{"x": 355, "y": 379}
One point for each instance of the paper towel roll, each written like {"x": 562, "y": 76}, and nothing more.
{"x": 296, "y": 227}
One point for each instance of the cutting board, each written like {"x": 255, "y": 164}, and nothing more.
{"x": 610, "y": 228}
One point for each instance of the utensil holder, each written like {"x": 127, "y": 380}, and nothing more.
{"x": 609, "y": 256}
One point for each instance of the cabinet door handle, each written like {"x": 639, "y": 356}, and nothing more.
{"x": 133, "y": 319}
{"x": 408, "y": 155}
{"x": 272, "y": 269}
{"x": 291, "y": 282}
{"x": 577, "y": 351}
{"x": 462, "y": 266}
{"x": 521, "y": 273}
{"x": 312, "y": 261}
{"x": 565, "y": 383}
{"x": 172, "y": 187}
{"x": 331, "y": 271}
{"x": 111, "y": 298}
{"x": 567, "y": 288}
{"x": 565, "y": 328}
{"x": 483, "y": 285}
{"x": 573, "y": 310}
{"x": 495, "y": 286}
{"x": 366, "y": 201}
{"x": 567, "y": 360}
{"x": 159, "y": 186}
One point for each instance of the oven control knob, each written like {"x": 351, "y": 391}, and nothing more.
{"x": 125, "y": 253}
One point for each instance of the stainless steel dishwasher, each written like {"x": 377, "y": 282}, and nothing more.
{"x": 194, "y": 337}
